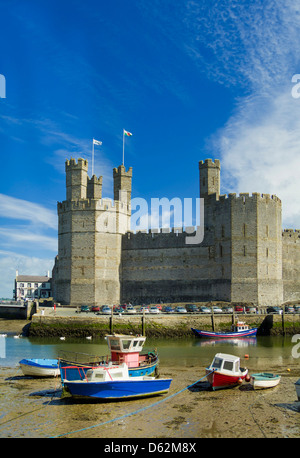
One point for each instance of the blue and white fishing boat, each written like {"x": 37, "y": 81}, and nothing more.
{"x": 264, "y": 380}
{"x": 114, "y": 383}
{"x": 240, "y": 329}
{"x": 40, "y": 367}
{"x": 123, "y": 349}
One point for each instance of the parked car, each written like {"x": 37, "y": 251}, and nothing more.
{"x": 289, "y": 309}
{"x": 168, "y": 309}
{"x": 251, "y": 310}
{"x": 204, "y": 309}
{"x": 105, "y": 310}
{"x": 159, "y": 306}
{"x": 154, "y": 310}
{"x": 227, "y": 309}
{"x": 180, "y": 310}
{"x": 297, "y": 308}
{"x": 144, "y": 308}
{"x": 274, "y": 310}
{"x": 84, "y": 308}
{"x": 239, "y": 309}
{"x": 118, "y": 310}
{"x": 191, "y": 308}
{"x": 130, "y": 309}
{"x": 95, "y": 308}
{"x": 217, "y": 309}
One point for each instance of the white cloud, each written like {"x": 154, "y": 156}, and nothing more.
{"x": 11, "y": 207}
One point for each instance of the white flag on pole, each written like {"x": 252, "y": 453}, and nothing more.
{"x": 96, "y": 142}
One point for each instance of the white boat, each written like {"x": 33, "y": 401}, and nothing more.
{"x": 40, "y": 367}
{"x": 264, "y": 380}
{"x": 297, "y": 386}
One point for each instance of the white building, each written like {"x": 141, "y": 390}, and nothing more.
{"x": 32, "y": 287}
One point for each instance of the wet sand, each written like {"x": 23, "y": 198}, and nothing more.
{"x": 32, "y": 408}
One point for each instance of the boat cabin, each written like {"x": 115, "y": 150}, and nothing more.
{"x": 107, "y": 373}
{"x": 125, "y": 349}
{"x": 226, "y": 364}
{"x": 240, "y": 326}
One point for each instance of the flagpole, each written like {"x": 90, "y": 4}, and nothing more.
{"x": 93, "y": 159}
{"x": 123, "y": 148}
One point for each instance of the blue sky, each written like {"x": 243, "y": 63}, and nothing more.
{"x": 190, "y": 79}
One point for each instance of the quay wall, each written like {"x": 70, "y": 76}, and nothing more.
{"x": 156, "y": 326}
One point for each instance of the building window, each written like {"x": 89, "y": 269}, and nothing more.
{"x": 267, "y": 231}
{"x": 267, "y": 252}
{"x": 245, "y": 250}
{"x": 244, "y": 229}
{"x": 221, "y": 251}
{"x": 223, "y": 231}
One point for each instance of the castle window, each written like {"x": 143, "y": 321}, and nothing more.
{"x": 213, "y": 181}
{"x": 267, "y": 231}
{"x": 244, "y": 229}
{"x": 221, "y": 251}
{"x": 223, "y": 231}
{"x": 245, "y": 250}
{"x": 267, "y": 252}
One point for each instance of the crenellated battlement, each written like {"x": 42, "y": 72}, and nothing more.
{"x": 243, "y": 197}
{"x": 72, "y": 164}
{"x": 291, "y": 235}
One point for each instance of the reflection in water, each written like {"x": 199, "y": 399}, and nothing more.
{"x": 264, "y": 352}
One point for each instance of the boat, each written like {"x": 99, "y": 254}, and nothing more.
{"x": 264, "y": 380}
{"x": 113, "y": 382}
{"x": 40, "y": 367}
{"x": 225, "y": 372}
{"x": 297, "y": 386}
{"x": 123, "y": 349}
{"x": 240, "y": 329}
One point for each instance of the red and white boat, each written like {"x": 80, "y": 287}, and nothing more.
{"x": 225, "y": 372}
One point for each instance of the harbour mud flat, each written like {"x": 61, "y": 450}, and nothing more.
{"x": 32, "y": 408}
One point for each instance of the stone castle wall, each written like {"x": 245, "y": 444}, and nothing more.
{"x": 244, "y": 256}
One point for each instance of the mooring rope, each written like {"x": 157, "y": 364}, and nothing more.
{"x": 132, "y": 413}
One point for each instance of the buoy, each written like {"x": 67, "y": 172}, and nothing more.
{"x": 247, "y": 378}
{"x": 288, "y": 369}
{"x": 246, "y": 356}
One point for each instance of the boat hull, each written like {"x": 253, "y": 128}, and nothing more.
{"x": 40, "y": 367}
{"x": 218, "y": 380}
{"x": 74, "y": 371}
{"x": 264, "y": 380}
{"x": 224, "y": 335}
{"x": 118, "y": 389}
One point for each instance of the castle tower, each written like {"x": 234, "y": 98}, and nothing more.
{"x": 209, "y": 178}
{"x": 90, "y": 229}
{"x": 122, "y": 182}
{"x": 76, "y": 179}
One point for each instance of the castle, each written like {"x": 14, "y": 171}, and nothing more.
{"x": 244, "y": 256}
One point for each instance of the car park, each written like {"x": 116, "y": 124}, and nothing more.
{"x": 204, "y": 309}
{"x": 191, "y": 308}
{"x": 180, "y": 310}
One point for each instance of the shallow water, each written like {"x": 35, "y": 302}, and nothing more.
{"x": 263, "y": 352}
